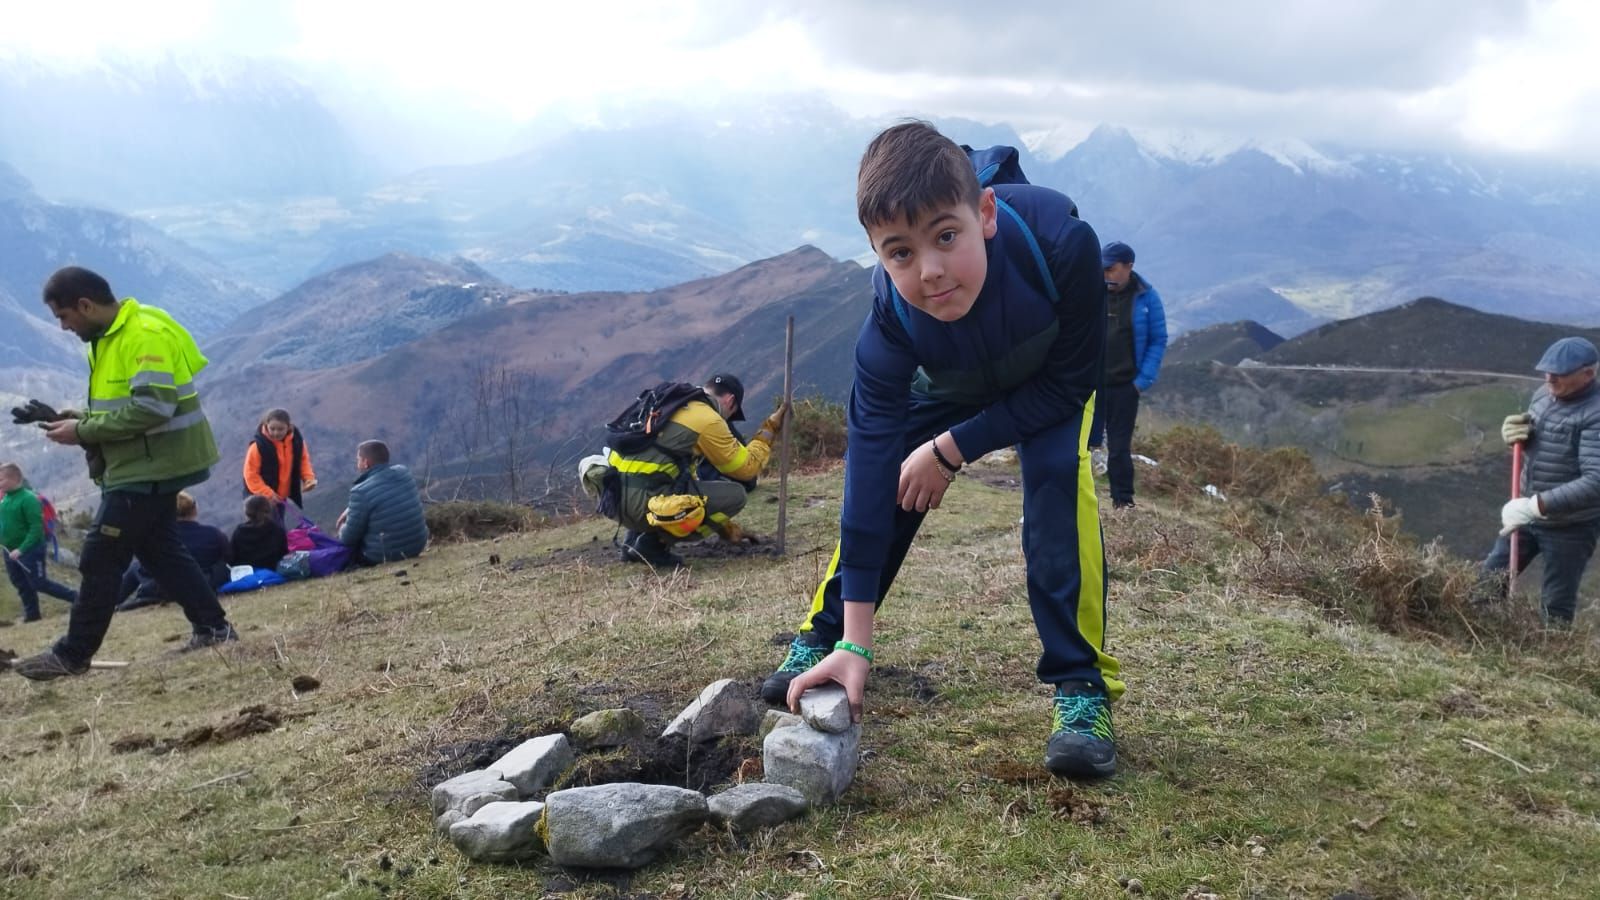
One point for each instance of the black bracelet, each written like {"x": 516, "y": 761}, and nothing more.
{"x": 940, "y": 457}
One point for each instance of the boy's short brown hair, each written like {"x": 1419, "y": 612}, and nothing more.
{"x": 910, "y": 170}
{"x": 11, "y": 468}
{"x": 187, "y": 508}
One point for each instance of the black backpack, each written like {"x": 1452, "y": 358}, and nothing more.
{"x": 636, "y": 428}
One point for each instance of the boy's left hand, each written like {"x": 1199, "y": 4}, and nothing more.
{"x": 921, "y": 485}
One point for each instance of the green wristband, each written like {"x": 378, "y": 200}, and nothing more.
{"x": 857, "y": 649}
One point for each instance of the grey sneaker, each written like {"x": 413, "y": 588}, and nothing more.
{"x": 1082, "y": 744}
{"x": 47, "y": 666}
{"x": 805, "y": 651}
{"x": 203, "y": 639}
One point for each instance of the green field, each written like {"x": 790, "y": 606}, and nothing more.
{"x": 1269, "y": 748}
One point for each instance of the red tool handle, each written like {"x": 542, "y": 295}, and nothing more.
{"x": 1516, "y": 491}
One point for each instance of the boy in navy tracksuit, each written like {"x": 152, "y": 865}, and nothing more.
{"x": 970, "y": 348}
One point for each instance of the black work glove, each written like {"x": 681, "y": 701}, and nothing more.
{"x": 35, "y": 411}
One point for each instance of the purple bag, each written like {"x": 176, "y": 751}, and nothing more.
{"x": 327, "y": 555}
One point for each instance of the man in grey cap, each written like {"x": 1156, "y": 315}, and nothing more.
{"x": 1558, "y": 513}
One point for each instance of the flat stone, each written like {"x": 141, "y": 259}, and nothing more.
{"x": 606, "y": 728}
{"x": 826, "y": 709}
{"x": 723, "y": 708}
{"x": 815, "y": 763}
{"x": 500, "y": 832}
{"x": 533, "y": 765}
{"x": 777, "y": 718}
{"x": 749, "y": 807}
{"x": 619, "y": 826}
{"x": 468, "y": 792}
{"x": 446, "y": 819}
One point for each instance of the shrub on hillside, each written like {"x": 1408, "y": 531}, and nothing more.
{"x": 816, "y": 432}
{"x": 1296, "y": 539}
{"x": 471, "y": 520}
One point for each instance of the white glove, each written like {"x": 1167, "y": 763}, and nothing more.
{"x": 1516, "y": 429}
{"x": 1519, "y": 512}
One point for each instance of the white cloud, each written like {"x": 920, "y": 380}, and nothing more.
{"x": 1512, "y": 75}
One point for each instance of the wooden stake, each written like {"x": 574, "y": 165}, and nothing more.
{"x": 783, "y": 441}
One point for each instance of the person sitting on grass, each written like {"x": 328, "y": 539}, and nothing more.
{"x": 260, "y": 541}
{"x": 22, "y": 541}
{"x": 207, "y": 544}
{"x": 987, "y": 330}
{"x": 383, "y": 520}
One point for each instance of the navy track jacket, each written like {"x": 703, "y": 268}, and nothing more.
{"x": 1012, "y": 307}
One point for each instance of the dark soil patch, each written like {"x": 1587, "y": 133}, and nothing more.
{"x": 1008, "y": 771}
{"x": 671, "y": 761}
{"x": 919, "y": 686}
{"x": 6, "y": 657}
{"x": 467, "y": 756}
{"x": 250, "y": 720}
{"x": 1067, "y": 805}
{"x": 131, "y": 742}
{"x": 305, "y": 683}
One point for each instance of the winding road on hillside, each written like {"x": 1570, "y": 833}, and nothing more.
{"x": 1251, "y": 364}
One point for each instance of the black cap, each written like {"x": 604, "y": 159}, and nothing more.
{"x": 729, "y": 384}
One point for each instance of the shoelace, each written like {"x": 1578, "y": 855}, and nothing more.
{"x": 1082, "y": 715}
{"x": 801, "y": 657}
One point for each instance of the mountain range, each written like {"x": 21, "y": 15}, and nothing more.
{"x": 1283, "y": 232}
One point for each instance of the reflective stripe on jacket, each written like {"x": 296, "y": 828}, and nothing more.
{"x": 144, "y": 411}
{"x": 695, "y": 432}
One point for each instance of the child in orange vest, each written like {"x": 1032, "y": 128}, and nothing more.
{"x": 277, "y": 464}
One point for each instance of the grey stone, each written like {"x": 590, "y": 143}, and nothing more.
{"x": 723, "y": 708}
{"x": 446, "y": 819}
{"x": 777, "y": 718}
{"x": 468, "y": 792}
{"x": 500, "y": 832}
{"x": 815, "y": 763}
{"x": 826, "y": 709}
{"x": 749, "y": 807}
{"x": 534, "y": 764}
{"x": 606, "y": 728}
{"x": 622, "y": 826}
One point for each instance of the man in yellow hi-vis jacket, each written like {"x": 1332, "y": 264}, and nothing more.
{"x": 152, "y": 440}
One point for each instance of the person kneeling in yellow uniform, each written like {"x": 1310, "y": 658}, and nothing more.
{"x": 660, "y": 501}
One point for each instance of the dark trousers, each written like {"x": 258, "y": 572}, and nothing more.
{"x": 1566, "y": 550}
{"x": 1061, "y": 543}
{"x": 129, "y": 525}
{"x": 28, "y": 577}
{"x": 1116, "y": 408}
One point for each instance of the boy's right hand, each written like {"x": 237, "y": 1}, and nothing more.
{"x": 846, "y": 669}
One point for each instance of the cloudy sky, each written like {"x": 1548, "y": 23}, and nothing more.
{"x": 1496, "y": 75}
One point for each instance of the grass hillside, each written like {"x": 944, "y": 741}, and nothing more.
{"x": 1427, "y": 333}
{"x": 1227, "y": 343}
{"x": 1312, "y": 709}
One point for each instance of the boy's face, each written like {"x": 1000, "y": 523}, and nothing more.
{"x": 1118, "y": 275}
{"x": 8, "y": 482}
{"x": 939, "y": 264}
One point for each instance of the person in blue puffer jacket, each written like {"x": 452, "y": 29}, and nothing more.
{"x": 383, "y": 520}
{"x": 1136, "y": 341}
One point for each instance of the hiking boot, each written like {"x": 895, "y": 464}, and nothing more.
{"x": 47, "y": 666}
{"x": 651, "y": 550}
{"x": 1082, "y": 744}
{"x": 1122, "y": 504}
{"x": 805, "y": 651}
{"x": 210, "y": 638}
{"x": 625, "y": 552}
